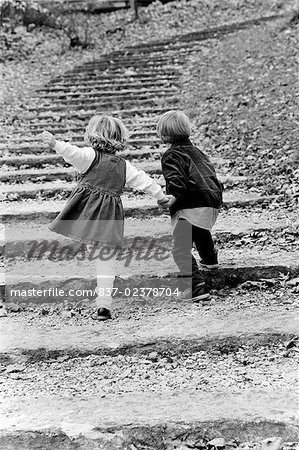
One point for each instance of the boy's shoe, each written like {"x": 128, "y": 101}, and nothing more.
{"x": 102, "y": 314}
{"x": 208, "y": 266}
{"x": 201, "y": 292}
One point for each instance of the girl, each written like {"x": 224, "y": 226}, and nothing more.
{"x": 196, "y": 196}
{"x": 94, "y": 212}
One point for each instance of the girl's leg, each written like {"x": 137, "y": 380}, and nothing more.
{"x": 105, "y": 275}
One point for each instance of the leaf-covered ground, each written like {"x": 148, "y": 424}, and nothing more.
{"x": 242, "y": 92}
{"x": 30, "y": 59}
{"x": 240, "y": 89}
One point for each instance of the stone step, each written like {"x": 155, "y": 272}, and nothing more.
{"x": 217, "y": 327}
{"x": 137, "y": 129}
{"x": 145, "y": 160}
{"x": 134, "y": 64}
{"x": 61, "y": 181}
{"x": 113, "y": 81}
{"x": 86, "y": 114}
{"x": 104, "y": 105}
{"x": 135, "y": 123}
{"x": 171, "y": 56}
{"x": 209, "y": 376}
{"x": 152, "y": 168}
{"x": 25, "y": 148}
{"x": 109, "y": 83}
{"x": 75, "y": 99}
{"x": 103, "y": 100}
{"x": 19, "y": 241}
{"x": 40, "y": 159}
{"x": 119, "y": 75}
{"x": 151, "y": 268}
{"x": 93, "y": 6}
{"x": 109, "y": 423}
{"x": 128, "y": 67}
{"x": 71, "y": 130}
{"x": 133, "y": 93}
{"x": 147, "y": 69}
{"x": 60, "y": 132}
{"x": 167, "y": 51}
{"x": 200, "y": 35}
{"x": 42, "y": 211}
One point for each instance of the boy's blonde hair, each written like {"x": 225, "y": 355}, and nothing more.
{"x": 173, "y": 126}
{"x": 106, "y": 130}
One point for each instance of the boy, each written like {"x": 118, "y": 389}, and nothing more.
{"x": 195, "y": 196}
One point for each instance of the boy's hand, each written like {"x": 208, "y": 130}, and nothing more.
{"x": 48, "y": 139}
{"x": 167, "y": 201}
{"x": 163, "y": 203}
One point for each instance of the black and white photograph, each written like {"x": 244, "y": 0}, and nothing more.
{"x": 149, "y": 226}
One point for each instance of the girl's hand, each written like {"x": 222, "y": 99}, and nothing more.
{"x": 48, "y": 139}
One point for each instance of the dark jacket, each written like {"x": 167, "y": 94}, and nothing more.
{"x": 190, "y": 177}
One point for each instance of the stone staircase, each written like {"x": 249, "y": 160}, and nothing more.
{"x": 163, "y": 374}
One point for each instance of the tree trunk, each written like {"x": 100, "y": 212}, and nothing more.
{"x": 134, "y": 6}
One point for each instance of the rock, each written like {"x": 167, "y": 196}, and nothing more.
{"x": 13, "y": 368}
{"x": 98, "y": 362}
{"x": 14, "y": 307}
{"x": 66, "y": 314}
{"x": 153, "y": 356}
{"x": 217, "y": 442}
{"x": 20, "y": 376}
{"x": 62, "y": 358}
{"x": 293, "y": 282}
{"x": 129, "y": 72}
{"x": 3, "y": 310}
{"x": 273, "y": 443}
{"x": 250, "y": 284}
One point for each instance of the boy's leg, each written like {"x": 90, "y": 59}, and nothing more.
{"x": 205, "y": 246}
{"x": 182, "y": 246}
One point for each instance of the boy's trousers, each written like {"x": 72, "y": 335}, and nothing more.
{"x": 184, "y": 235}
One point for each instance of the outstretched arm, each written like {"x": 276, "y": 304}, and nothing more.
{"x": 141, "y": 181}
{"x": 80, "y": 158}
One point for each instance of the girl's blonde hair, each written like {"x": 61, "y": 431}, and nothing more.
{"x": 106, "y": 131}
{"x": 173, "y": 126}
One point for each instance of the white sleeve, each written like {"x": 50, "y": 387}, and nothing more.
{"x": 80, "y": 158}
{"x": 139, "y": 180}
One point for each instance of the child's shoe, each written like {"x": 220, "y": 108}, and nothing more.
{"x": 213, "y": 265}
{"x": 200, "y": 292}
{"x": 102, "y": 314}
{"x": 208, "y": 266}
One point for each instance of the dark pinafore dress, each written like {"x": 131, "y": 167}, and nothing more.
{"x": 94, "y": 212}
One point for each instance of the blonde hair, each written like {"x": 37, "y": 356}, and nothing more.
{"x": 106, "y": 130}
{"x": 173, "y": 125}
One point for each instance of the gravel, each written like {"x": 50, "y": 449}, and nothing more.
{"x": 212, "y": 370}
{"x": 96, "y": 375}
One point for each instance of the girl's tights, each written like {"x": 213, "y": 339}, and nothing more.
{"x": 105, "y": 275}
